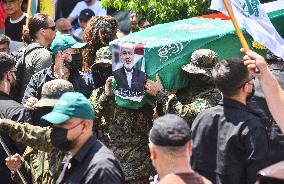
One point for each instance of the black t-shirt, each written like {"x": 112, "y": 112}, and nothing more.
{"x": 93, "y": 163}
{"x": 14, "y": 29}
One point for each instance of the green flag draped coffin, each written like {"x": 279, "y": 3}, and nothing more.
{"x": 168, "y": 46}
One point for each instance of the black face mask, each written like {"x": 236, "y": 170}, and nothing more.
{"x": 76, "y": 63}
{"x": 59, "y": 139}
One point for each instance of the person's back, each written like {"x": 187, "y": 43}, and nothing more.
{"x": 220, "y": 137}
{"x": 184, "y": 178}
{"x": 170, "y": 148}
{"x": 41, "y": 33}
{"x": 258, "y": 105}
{"x": 230, "y": 144}
{"x": 35, "y": 61}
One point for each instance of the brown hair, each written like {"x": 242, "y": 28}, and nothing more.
{"x": 99, "y": 32}
{"x": 36, "y": 22}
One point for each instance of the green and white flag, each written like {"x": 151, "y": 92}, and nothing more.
{"x": 251, "y": 15}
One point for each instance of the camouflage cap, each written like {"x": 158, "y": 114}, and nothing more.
{"x": 202, "y": 62}
{"x": 103, "y": 56}
{"x": 52, "y": 91}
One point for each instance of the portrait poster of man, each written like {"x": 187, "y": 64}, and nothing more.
{"x": 128, "y": 68}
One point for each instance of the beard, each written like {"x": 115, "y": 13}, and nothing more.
{"x": 128, "y": 66}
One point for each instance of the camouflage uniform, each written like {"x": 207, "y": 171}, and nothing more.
{"x": 41, "y": 161}
{"x": 190, "y": 101}
{"x": 125, "y": 131}
{"x": 101, "y": 69}
{"x": 46, "y": 164}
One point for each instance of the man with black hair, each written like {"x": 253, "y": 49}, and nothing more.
{"x": 230, "y": 144}
{"x": 9, "y": 109}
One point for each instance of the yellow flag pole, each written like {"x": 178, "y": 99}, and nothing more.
{"x": 237, "y": 28}
{"x": 28, "y": 12}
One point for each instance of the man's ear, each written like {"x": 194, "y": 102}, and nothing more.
{"x": 189, "y": 147}
{"x": 153, "y": 153}
{"x": 9, "y": 76}
{"x": 246, "y": 87}
{"x": 87, "y": 125}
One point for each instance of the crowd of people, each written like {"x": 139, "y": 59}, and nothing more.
{"x": 60, "y": 123}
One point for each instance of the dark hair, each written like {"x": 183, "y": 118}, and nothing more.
{"x": 99, "y": 32}
{"x": 7, "y": 62}
{"x": 229, "y": 75}
{"x": 36, "y": 22}
{"x": 4, "y": 39}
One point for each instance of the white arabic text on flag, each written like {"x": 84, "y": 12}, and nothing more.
{"x": 250, "y": 15}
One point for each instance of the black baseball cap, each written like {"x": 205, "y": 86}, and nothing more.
{"x": 86, "y": 14}
{"x": 169, "y": 130}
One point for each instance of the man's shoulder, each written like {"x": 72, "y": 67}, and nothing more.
{"x": 10, "y": 103}
{"x": 103, "y": 153}
{"x": 183, "y": 178}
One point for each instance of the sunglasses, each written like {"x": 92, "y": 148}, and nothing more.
{"x": 53, "y": 28}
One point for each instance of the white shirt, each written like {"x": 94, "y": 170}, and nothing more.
{"x": 129, "y": 77}
{"x": 96, "y": 7}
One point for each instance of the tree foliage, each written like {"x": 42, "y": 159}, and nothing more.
{"x": 161, "y": 11}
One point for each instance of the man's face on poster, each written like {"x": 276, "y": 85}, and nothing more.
{"x": 127, "y": 57}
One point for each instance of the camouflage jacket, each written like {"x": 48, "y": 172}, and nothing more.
{"x": 42, "y": 163}
{"x": 125, "y": 131}
{"x": 189, "y": 102}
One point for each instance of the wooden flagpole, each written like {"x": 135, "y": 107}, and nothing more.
{"x": 237, "y": 28}
{"x": 28, "y": 12}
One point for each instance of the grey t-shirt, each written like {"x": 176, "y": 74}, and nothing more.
{"x": 35, "y": 61}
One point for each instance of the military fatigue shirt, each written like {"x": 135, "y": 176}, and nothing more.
{"x": 43, "y": 163}
{"x": 189, "y": 102}
{"x": 125, "y": 132}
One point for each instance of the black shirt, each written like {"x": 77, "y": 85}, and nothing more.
{"x": 93, "y": 164}
{"x": 14, "y": 30}
{"x": 10, "y": 109}
{"x": 230, "y": 144}
{"x": 258, "y": 105}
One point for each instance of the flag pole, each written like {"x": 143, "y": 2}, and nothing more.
{"x": 237, "y": 28}
{"x": 28, "y": 12}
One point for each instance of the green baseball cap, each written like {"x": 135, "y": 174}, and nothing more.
{"x": 64, "y": 41}
{"x": 70, "y": 104}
